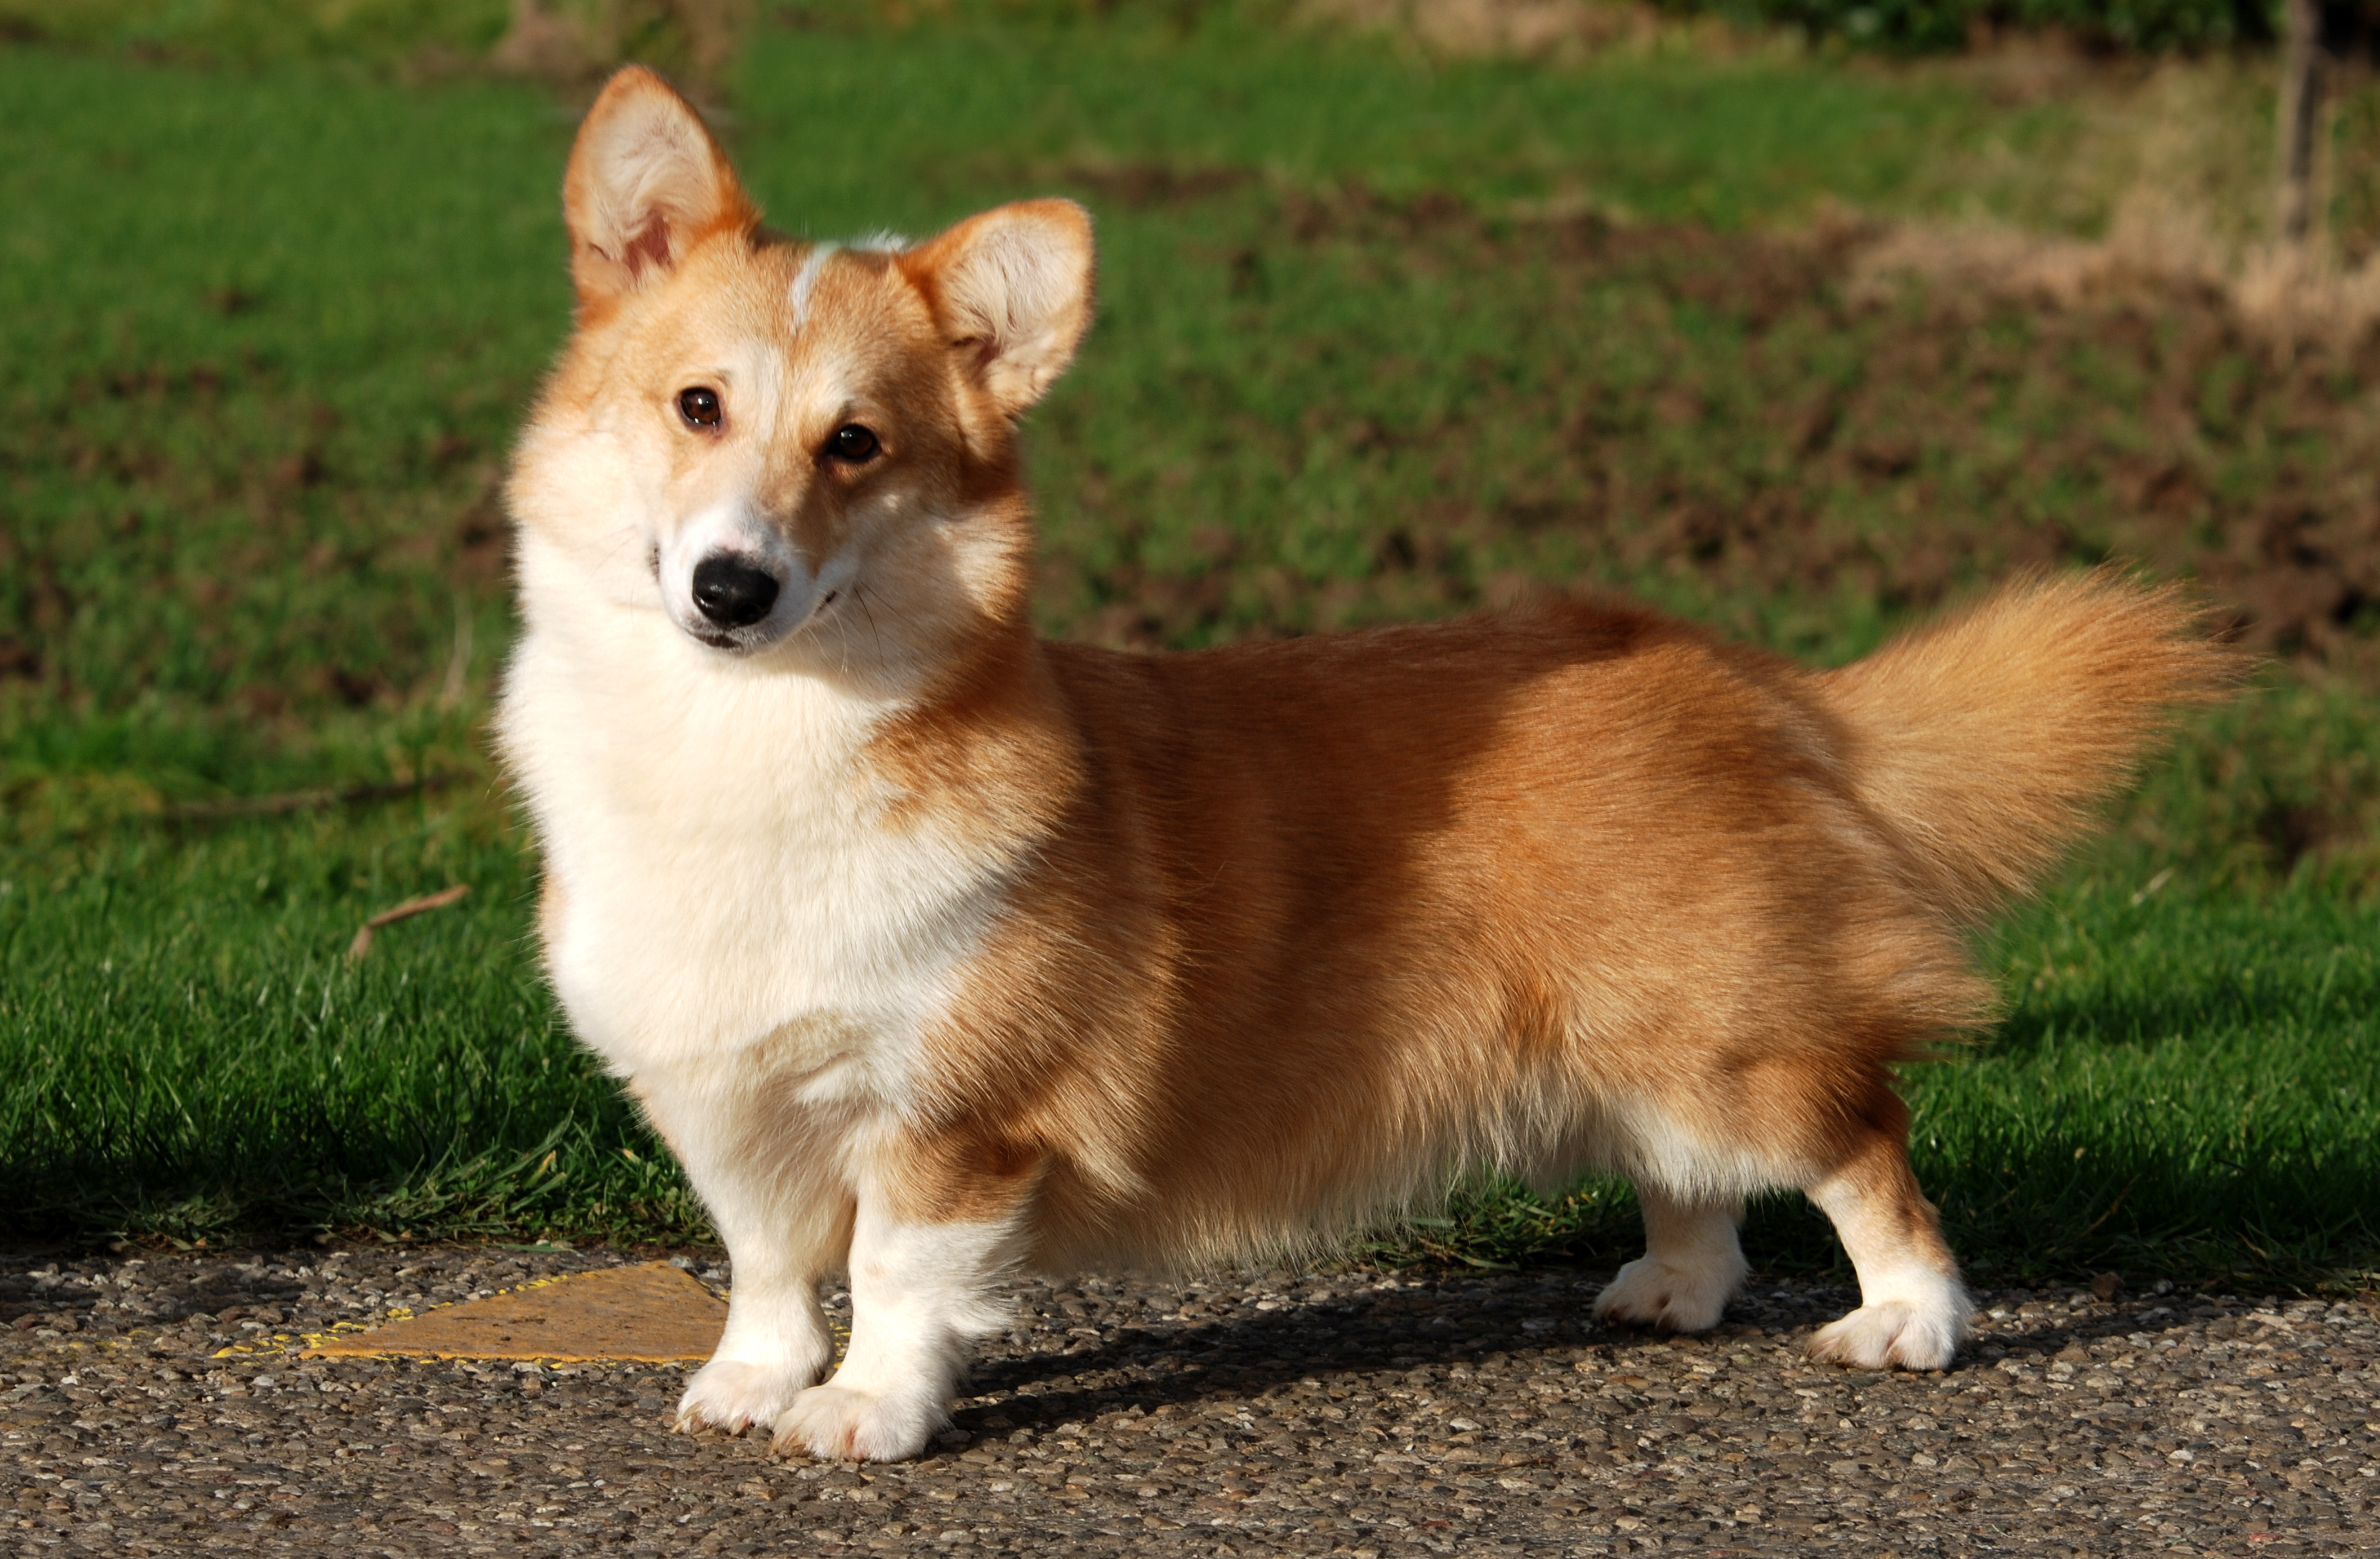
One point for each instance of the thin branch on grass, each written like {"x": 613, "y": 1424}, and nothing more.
{"x": 304, "y": 801}
{"x": 410, "y": 908}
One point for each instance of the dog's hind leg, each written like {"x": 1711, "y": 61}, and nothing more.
{"x": 1692, "y": 1266}
{"x": 1913, "y": 1309}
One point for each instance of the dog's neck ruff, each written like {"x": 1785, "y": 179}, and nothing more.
{"x": 701, "y": 815}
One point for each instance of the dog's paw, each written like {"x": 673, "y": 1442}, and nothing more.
{"x": 1894, "y": 1332}
{"x": 730, "y": 1394}
{"x": 1654, "y": 1293}
{"x": 840, "y": 1424}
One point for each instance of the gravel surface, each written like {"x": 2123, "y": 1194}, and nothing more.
{"x": 1336, "y": 1412}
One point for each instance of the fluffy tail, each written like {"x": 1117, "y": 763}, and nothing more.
{"x": 1984, "y": 740}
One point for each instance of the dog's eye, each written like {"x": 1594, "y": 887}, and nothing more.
{"x": 852, "y": 443}
{"x": 700, "y": 407}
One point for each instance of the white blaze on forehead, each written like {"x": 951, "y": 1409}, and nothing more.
{"x": 806, "y": 282}
{"x": 814, "y": 263}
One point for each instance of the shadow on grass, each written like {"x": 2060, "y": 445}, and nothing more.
{"x": 602, "y": 1179}
{"x": 2042, "y": 1211}
{"x": 2048, "y": 1211}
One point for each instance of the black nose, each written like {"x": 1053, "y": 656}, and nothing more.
{"x": 733, "y": 593}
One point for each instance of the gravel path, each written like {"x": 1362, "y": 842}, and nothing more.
{"x": 1255, "y": 1413}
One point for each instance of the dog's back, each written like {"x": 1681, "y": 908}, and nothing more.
{"x": 1326, "y": 920}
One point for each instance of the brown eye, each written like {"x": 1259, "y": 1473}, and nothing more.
{"x": 853, "y": 444}
{"x": 700, "y": 407}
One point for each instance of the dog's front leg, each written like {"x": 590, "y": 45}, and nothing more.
{"x": 920, "y": 1292}
{"x": 769, "y": 1178}
{"x": 776, "y": 1341}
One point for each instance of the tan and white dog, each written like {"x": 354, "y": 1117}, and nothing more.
{"x": 934, "y": 949}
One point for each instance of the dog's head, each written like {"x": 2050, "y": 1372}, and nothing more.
{"x": 797, "y": 451}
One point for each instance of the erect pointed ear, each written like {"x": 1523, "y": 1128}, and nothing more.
{"x": 645, "y": 184}
{"x": 1012, "y": 289}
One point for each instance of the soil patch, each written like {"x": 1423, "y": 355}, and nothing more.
{"x": 1765, "y": 418}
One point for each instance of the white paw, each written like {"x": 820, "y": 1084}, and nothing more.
{"x": 840, "y": 1424}
{"x": 1914, "y": 1336}
{"x": 1654, "y": 1293}
{"x": 732, "y": 1395}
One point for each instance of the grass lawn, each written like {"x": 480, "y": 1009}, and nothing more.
{"x": 1382, "y": 337}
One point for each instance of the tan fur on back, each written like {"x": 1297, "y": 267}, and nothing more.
{"x": 1325, "y": 920}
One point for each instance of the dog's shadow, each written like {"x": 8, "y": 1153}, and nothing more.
{"x": 1250, "y": 1352}
{"x": 1463, "y": 1321}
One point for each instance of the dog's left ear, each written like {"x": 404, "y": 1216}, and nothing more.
{"x": 1012, "y": 289}
{"x": 645, "y": 184}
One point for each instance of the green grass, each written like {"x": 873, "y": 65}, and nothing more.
{"x": 1380, "y": 337}
{"x": 344, "y": 35}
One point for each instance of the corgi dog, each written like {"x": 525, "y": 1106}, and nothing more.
{"x": 935, "y": 950}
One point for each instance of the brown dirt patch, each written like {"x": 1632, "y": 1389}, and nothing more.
{"x": 1763, "y": 419}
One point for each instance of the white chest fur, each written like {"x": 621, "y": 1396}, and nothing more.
{"x": 731, "y": 876}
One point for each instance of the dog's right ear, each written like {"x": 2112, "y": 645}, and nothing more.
{"x": 645, "y": 184}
